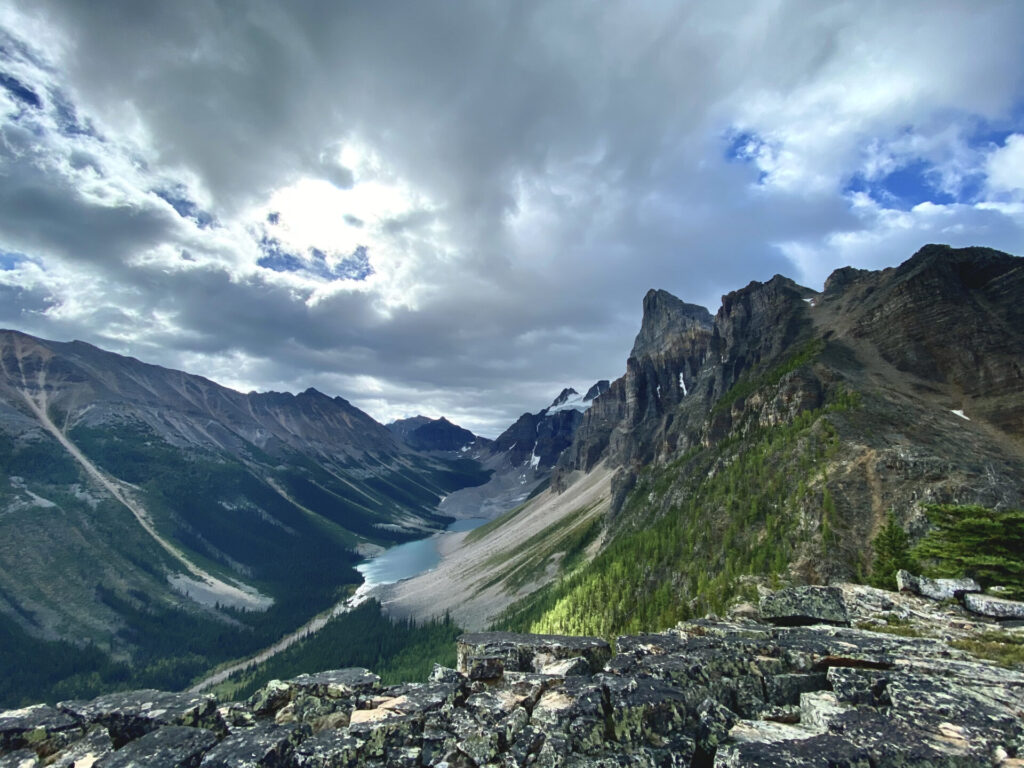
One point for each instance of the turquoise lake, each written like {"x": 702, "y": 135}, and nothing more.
{"x": 412, "y": 558}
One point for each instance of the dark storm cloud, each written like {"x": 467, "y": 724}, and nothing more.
{"x": 42, "y": 212}
{"x": 563, "y": 157}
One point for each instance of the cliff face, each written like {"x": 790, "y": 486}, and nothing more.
{"x": 805, "y": 419}
{"x": 733, "y": 693}
{"x": 941, "y": 333}
{"x": 631, "y": 419}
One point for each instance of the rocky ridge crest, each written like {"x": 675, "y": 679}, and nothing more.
{"x": 733, "y": 693}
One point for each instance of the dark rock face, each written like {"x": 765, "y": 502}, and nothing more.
{"x": 128, "y": 716}
{"x": 951, "y": 317}
{"x": 661, "y": 371}
{"x": 707, "y": 693}
{"x": 173, "y": 746}
{"x": 804, "y": 605}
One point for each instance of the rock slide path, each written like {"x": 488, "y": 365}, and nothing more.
{"x": 227, "y": 594}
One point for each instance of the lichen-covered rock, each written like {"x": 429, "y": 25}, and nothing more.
{"x": 995, "y": 607}
{"x": 265, "y": 746}
{"x": 935, "y": 589}
{"x": 89, "y": 749}
{"x": 813, "y": 751}
{"x": 706, "y": 693}
{"x": 529, "y": 653}
{"x": 172, "y": 746}
{"x": 40, "y": 728}
{"x": 131, "y": 715}
{"x": 804, "y": 605}
{"x": 575, "y": 712}
{"x": 328, "y": 749}
{"x": 21, "y": 758}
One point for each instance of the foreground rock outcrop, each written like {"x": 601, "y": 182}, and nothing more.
{"x": 711, "y": 692}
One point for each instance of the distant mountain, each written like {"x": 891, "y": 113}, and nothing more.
{"x": 425, "y": 434}
{"x": 521, "y": 458}
{"x": 143, "y": 508}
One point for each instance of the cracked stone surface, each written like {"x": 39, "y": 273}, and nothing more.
{"x": 712, "y": 692}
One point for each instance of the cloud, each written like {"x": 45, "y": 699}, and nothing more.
{"x": 457, "y": 209}
{"x": 1005, "y": 168}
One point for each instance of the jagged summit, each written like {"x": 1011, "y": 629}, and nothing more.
{"x": 563, "y": 396}
{"x": 666, "y": 316}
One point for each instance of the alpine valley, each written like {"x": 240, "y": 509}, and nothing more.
{"x": 154, "y": 525}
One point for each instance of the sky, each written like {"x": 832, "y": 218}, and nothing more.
{"x": 455, "y": 208}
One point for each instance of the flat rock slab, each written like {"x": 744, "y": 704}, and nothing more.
{"x": 814, "y": 751}
{"x": 994, "y": 607}
{"x": 40, "y": 727}
{"x": 935, "y": 589}
{"x": 530, "y": 653}
{"x": 133, "y": 714}
{"x": 172, "y": 746}
{"x": 338, "y": 683}
{"x": 804, "y": 605}
{"x": 266, "y": 746}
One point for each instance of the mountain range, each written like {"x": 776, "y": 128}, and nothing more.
{"x": 155, "y": 524}
{"x": 147, "y": 511}
{"x": 768, "y": 441}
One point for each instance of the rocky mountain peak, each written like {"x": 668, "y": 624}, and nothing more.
{"x": 563, "y": 397}
{"x": 666, "y": 316}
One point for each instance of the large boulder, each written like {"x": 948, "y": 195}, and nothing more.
{"x": 936, "y": 589}
{"x": 40, "y": 727}
{"x": 994, "y": 607}
{"x": 512, "y": 652}
{"x": 799, "y": 606}
{"x": 128, "y": 716}
{"x": 173, "y": 746}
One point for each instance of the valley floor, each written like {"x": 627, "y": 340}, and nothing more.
{"x": 468, "y": 584}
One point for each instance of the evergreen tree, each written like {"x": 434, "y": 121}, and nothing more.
{"x": 892, "y": 552}
{"x": 985, "y": 544}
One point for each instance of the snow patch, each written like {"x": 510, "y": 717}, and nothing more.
{"x": 657, "y": 391}
{"x": 682, "y": 384}
{"x": 572, "y": 403}
{"x": 534, "y": 460}
{"x": 960, "y": 413}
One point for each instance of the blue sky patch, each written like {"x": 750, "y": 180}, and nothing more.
{"x": 185, "y": 207}
{"x": 10, "y": 260}
{"x": 354, "y": 267}
{"x": 742, "y": 145}
{"x": 903, "y": 188}
{"x": 20, "y": 91}
{"x": 68, "y": 122}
